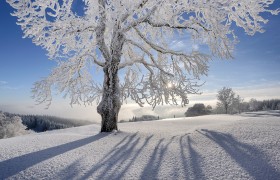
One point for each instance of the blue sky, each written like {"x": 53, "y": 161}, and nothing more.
{"x": 254, "y": 71}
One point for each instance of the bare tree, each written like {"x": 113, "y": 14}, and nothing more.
{"x": 226, "y": 98}
{"x": 132, "y": 36}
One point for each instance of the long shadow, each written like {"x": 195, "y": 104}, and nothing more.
{"x": 70, "y": 172}
{"x": 114, "y": 164}
{"x": 15, "y": 165}
{"x": 196, "y": 161}
{"x": 122, "y": 172}
{"x": 248, "y": 157}
{"x": 192, "y": 168}
{"x": 153, "y": 164}
{"x": 151, "y": 170}
{"x": 184, "y": 157}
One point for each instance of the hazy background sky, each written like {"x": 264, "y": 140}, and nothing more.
{"x": 253, "y": 73}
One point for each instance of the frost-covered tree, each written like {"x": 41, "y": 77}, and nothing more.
{"x": 254, "y": 105}
{"x": 131, "y": 39}
{"x": 226, "y": 98}
{"x": 237, "y": 104}
{"x": 11, "y": 126}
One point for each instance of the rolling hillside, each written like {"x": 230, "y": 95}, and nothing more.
{"x": 206, "y": 147}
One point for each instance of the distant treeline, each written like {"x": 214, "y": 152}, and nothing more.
{"x": 255, "y": 105}
{"x": 142, "y": 118}
{"x": 234, "y": 107}
{"x": 41, "y": 123}
{"x": 230, "y": 103}
{"x": 252, "y": 105}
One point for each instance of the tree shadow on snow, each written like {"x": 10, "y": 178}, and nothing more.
{"x": 191, "y": 159}
{"x": 117, "y": 162}
{"x": 15, "y": 165}
{"x": 188, "y": 168}
{"x": 151, "y": 170}
{"x": 248, "y": 157}
{"x": 121, "y": 158}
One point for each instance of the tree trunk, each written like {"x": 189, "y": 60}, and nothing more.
{"x": 110, "y": 104}
{"x": 226, "y": 108}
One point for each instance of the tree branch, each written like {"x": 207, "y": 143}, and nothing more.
{"x": 151, "y": 57}
{"x": 89, "y": 28}
{"x": 156, "y": 24}
{"x": 140, "y": 20}
{"x": 101, "y": 64}
{"x": 158, "y": 48}
{"x": 196, "y": 61}
{"x": 141, "y": 5}
{"x": 100, "y": 31}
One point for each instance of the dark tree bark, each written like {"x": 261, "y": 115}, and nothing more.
{"x": 110, "y": 104}
{"x": 226, "y": 108}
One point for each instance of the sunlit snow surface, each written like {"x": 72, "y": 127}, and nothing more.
{"x": 206, "y": 147}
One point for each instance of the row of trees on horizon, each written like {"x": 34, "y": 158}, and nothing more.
{"x": 231, "y": 103}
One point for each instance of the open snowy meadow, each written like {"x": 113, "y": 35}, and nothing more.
{"x": 243, "y": 146}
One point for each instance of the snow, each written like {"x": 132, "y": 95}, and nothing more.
{"x": 206, "y": 147}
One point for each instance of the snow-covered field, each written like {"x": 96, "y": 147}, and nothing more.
{"x": 206, "y": 147}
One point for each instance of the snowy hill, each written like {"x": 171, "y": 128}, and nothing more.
{"x": 206, "y": 147}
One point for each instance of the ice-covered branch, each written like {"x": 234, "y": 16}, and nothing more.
{"x": 100, "y": 31}
{"x": 155, "y": 64}
{"x": 71, "y": 79}
{"x": 74, "y": 31}
{"x": 164, "y": 24}
{"x": 95, "y": 60}
{"x": 196, "y": 62}
{"x": 158, "y": 48}
{"x": 141, "y": 19}
{"x": 139, "y": 6}
{"x": 158, "y": 89}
